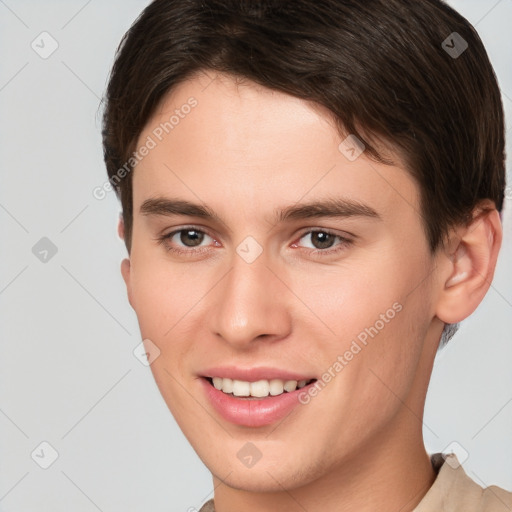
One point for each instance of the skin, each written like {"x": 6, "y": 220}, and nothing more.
{"x": 245, "y": 151}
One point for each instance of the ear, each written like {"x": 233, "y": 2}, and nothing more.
{"x": 120, "y": 227}
{"x": 125, "y": 272}
{"x": 468, "y": 261}
{"x": 125, "y": 264}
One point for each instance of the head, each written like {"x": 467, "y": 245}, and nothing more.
{"x": 239, "y": 124}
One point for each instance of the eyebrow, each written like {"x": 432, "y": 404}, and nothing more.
{"x": 333, "y": 207}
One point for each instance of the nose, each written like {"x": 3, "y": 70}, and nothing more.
{"x": 251, "y": 303}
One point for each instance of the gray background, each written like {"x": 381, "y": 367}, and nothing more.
{"x": 67, "y": 372}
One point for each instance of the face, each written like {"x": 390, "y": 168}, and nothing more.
{"x": 284, "y": 282}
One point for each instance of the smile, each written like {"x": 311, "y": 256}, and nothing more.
{"x": 259, "y": 389}
{"x": 254, "y": 397}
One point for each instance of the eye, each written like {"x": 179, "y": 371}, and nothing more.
{"x": 189, "y": 241}
{"x": 323, "y": 241}
{"x": 186, "y": 240}
{"x": 189, "y": 237}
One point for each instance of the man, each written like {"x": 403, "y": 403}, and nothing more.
{"x": 311, "y": 194}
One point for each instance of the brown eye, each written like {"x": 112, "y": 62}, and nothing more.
{"x": 322, "y": 240}
{"x": 193, "y": 236}
{"x": 185, "y": 241}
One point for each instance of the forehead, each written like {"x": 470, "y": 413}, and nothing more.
{"x": 215, "y": 138}
{"x": 252, "y": 116}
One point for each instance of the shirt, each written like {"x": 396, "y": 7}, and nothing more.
{"x": 452, "y": 491}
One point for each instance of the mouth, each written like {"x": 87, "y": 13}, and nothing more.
{"x": 259, "y": 389}
{"x": 256, "y": 402}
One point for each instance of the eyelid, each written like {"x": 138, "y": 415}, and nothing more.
{"x": 195, "y": 227}
{"x": 345, "y": 234}
{"x": 345, "y": 240}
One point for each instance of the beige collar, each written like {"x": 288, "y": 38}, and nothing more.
{"x": 453, "y": 491}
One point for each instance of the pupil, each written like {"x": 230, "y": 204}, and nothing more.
{"x": 191, "y": 234}
{"x": 324, "y": 240}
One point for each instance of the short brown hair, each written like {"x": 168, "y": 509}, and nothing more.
{"x": 412, "y": 73}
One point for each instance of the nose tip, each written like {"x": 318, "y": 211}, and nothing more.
{"x": 250, "y": 305}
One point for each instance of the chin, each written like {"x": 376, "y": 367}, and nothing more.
{"x": 264, "y": 477}
{"x": 259, "y": 481}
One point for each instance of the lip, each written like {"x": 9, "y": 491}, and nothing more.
{"x": 252, "y": 412}
{"x": 253, "y": 374}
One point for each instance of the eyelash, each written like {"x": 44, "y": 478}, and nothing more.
{"x": 344, "y": 242}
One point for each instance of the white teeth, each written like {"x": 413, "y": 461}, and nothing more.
{"x": 227, "y": 385}
{"x": 290, "y": 385}
{"x": 260, "y": 389}
{"x": 276, "y": 387}
{"x": 241, "y": 388}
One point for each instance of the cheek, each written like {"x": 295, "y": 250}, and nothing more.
{"x": 350, "y": 298}
{"x": 165, "y": 298}
{"x": 169, "y": 300}
{"x": 374, "y": 315}
{"x": 162, "y": 293}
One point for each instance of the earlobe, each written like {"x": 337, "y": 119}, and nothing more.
{"x": 125, "y": 264}
{"x": 469, "y": 267}
{"x": 120, "y": 227}
{"x": 125, "y": 272}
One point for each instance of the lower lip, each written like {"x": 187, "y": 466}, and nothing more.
{"x": 252, "y": 412}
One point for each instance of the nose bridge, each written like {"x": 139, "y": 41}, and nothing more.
{"x": 250, "y": 302}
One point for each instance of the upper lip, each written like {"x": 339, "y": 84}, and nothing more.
{"x": 254, "y": 374}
